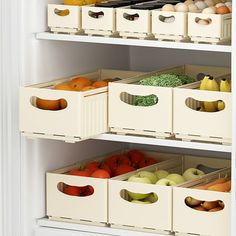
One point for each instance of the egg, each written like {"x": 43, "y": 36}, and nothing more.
{"x": 230, "y": 8}
{"x": 201, "y": 5}
{"x": 209, "y": 10}
{"x": 222, "y": 10}
{"x": 181, "y": 7}
{"x": 203, "y": 22}
{"x": 228, "y": 4}
{"x": 188, "y": 2}
{"x": 220, "y": 4}
{"x": 209, "y": 3}
{"x": 168, "y": 7}
{"x": 169, "y": 19}
{"x": 193, "y": 8}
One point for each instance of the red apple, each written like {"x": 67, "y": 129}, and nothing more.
{"x": 135, "y": 156}
{"x": 92, "y": 166}
{"x": 122, "y": 169}
{"x": 124, "y": 159}
{"x": 112, "y": 162}
{"x": 99, "y": 173}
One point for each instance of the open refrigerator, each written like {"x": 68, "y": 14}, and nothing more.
{"x": 28, "y": 57}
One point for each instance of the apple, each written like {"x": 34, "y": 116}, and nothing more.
{"x": 160, "y": 174}
{"x": 166, "y": 182}
{"x": 151, "y": 198}
{"x": 136, "y": 178}
{"x": 149, "y": 175}
{"x": 192, "y": 173}
{"x": 178, "y": 179}
{"x": 141, "y": 202}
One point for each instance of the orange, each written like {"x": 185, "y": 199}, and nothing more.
{"x": 46, "y": 104}
{"x": 79, "y": 82}
{"x": 99, "y": 84}
{"x": 74, "y": 2}
{"x": 86, "y": 88}
{"x": 63, "y": 86}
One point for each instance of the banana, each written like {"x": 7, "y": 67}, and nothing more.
{"x": 203, "y": 82}
{"x": 220, "y": 105}
{"x": 225, "y": 86}
{"x": 210, "y": 106}
{"x": 212, "y": 85}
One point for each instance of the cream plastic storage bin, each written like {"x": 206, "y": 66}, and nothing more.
{"x": 156, "y": 120}
{"x": 133, "y": 23}
{"x": 157, "y": 216}
{"x": 163, "y": 28}
{"x": 84, "y": 117}
{"x": 218, "y": 30}
{"x": 187, "y": 221}
{"x": 64, "y": 18}
{"x": 99, "y": 20}
{"x": 92, "y": 209}
{"x": 207, "y": 126}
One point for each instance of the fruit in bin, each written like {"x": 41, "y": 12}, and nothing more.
{"x": 72, "y": 190}
{"x": 137, "y": 179}
{"x": 147, "y": 161}
{"x": 206, "y": 186}
{"x": 63, "y": 86}
{"x": 166, "y": 182}
{"x": 220, "y": 105}
{"x": 216, "y": 209}
{"x": 151, "y": 176}
{"x": 221, "y": 204}
{"x": 112, "y": 162}
{"x": 79, "y": 82}
{"x": 124, "y": 160}
{"x": 192, "y": 173}
{"x": 100, "y": 83}
{"x": 79, "y": 172}
{"x": 151, "y": 198}
{"x": 122, "y": 169}
{"x": 104, "y": 166}
{"x": 178, "y": 179}
{"x": 100, "y": 173}
{"x": 225, "y": 86}
{"x": 199, "y": 208}
{"x": 92, "y": 166}
{"x": 190, "y": 201}
{"x": 141, "y": 202}
{"x": 223, "y": 187}
{"x": 87, "y": 191}
{"x": 74, "y": 2}
{"x": 47, "y": 104}
{"x": 160, "y": 174}
{"x": 208, "y": 205}
{"x": 136, "y": 157}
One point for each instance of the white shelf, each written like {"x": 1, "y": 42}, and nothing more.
{"x": 166, "y": 142}
{"x": 101, "y": 230}
{"x": 134, "y": 42}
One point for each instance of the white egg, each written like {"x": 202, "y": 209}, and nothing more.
{"x": 201, "y": 5}
{"x": 169, "y": 19}
{"x": 203, "y": 22}
{"x": 209, "y": 10}
{"x": 192, "y": 8}
{"x": 228, "y": 4}
{"x": 220, "y": 4}
{"x": 188, "y": 2}
{"x": 168, "y": 7}
{"x": 209, "y": 3}
{"x": 181, "y": 7}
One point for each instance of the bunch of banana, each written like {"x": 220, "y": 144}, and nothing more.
{"x": 209, "y": 83}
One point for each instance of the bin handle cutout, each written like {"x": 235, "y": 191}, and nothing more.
{"x": 48, "y": 104}
{"x": 205, "y": 106}
{"x": 202, "y": 21}
{"x": 78, "y": 191}
{"x": 96, "y": 15}
{"x": 131, "y": 17}
{"x": 166, "y": 19}
{"x": 202, "y": 205}
{"x": 64, "y": 12}
{"x": 141, "y": 198}
{"x": 139, "y": 100}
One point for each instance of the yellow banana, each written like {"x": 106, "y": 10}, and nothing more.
{"x": 210, "y": 106}
{"x": 212, "y": 85}
{"x": 220, "y": 105}
{"x": 225, "y": 86}
{"x": 203, "y": 82}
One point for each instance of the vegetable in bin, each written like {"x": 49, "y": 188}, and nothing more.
{"x": 162, "y": 80}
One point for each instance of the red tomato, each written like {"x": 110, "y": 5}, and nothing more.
{"x": 104, "y": 166}
{"x": 92, "y": 166}
{"x": 103, "y": 174}
{"x": 72, "y": 190}
{"x": 112, "y": 162}
{"x": 124, "y": 160}
{"x": 122, "y": 169}
{"x": 135, "y": 157}
{"x": 87, "y": 191}
{"x": 147, "y": 162}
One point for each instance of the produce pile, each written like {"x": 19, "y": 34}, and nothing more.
{"x": 162, "y": 80}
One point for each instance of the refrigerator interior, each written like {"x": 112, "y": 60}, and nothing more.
{"x": 25, "y": 161}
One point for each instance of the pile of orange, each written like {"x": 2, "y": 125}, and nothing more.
{"x": 76, "y": 84}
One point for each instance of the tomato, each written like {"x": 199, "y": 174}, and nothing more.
{"x": 99, "y": 173}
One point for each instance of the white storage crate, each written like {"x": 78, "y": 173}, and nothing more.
{"x": 99, "y": 20}
{"x": 85, "y": 115}
{"x": 188, "y": 221}
{"x": 133, "y": 23}
{"x": 92, "y": 209}
{"x": 155, "y": 120}
{"x": 218, "y": 30}
{"x": 192, "y": 124}
{"x": 64, "y": 18}
{"x": 170, "y": 25}
{"x": 157, "y": 216}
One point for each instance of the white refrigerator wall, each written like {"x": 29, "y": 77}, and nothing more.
{"x": 24, "y": 61}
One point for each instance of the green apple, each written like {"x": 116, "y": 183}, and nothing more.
{"x": 138, "y": 179}
{"x": 141, "y": 202}
{"x": 151, "y": 198}
{"x": 166, "y": 182}
{"x": 148, "y": 174}
{"x": 160, "y": 174}
{"x": 178, "y": 179}
{"x": 192, "y": 173}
